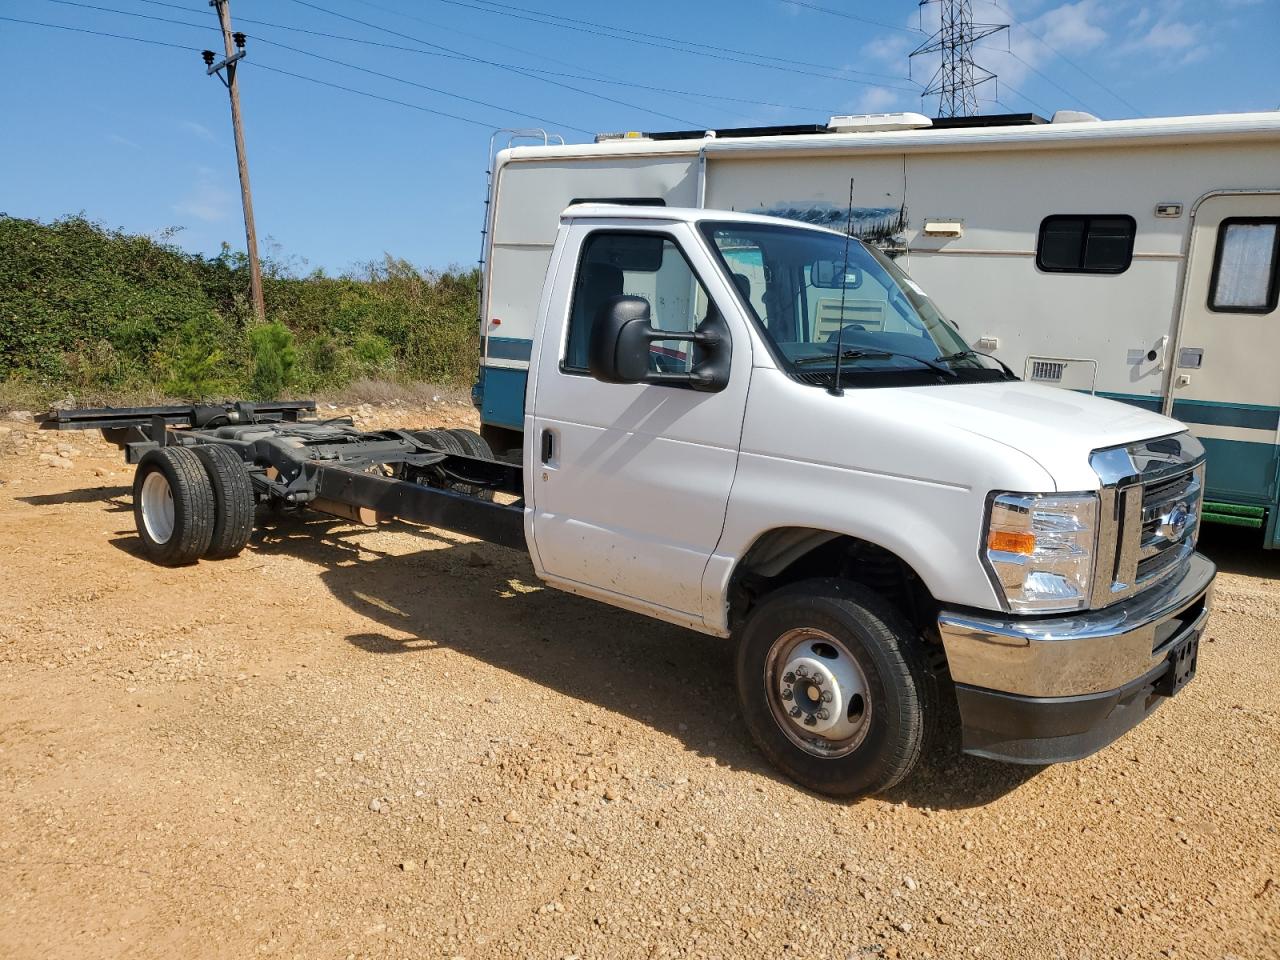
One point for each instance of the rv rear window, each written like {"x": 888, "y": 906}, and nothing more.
{"x": 1246, "y": 266}
{"x": 1086, "y": 244}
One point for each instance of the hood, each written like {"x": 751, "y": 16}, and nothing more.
{"x": 1055, "y": 427}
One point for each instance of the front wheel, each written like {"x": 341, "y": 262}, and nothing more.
{"x": 835, "y": 687}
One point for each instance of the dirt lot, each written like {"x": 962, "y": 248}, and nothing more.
{"x": 356, "y": 743}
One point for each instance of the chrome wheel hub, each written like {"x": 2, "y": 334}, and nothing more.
{"x": 818, "y": 693}
{"x": 157, "y": 507}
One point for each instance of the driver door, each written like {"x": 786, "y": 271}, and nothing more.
{"x": 633, "y": 480}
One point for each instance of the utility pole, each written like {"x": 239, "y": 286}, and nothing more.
{"x": 234, "y": 56}
{"x": 957, "y": 78}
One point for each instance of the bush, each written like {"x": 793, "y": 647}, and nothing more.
{"x": 274, "y": 356}
{"x": 103, "y": 314}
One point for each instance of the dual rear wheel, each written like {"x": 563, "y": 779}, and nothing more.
{"x": 191, "y": 503}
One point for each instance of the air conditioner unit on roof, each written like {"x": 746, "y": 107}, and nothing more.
{"x": 873, "y": 122}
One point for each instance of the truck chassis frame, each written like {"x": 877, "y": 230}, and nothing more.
{"x": 329, "y": 465}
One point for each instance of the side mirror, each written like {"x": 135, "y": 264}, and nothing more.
{"x": 619, "y": 350}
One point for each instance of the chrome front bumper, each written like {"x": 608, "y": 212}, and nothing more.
{"x": 1087, "y": 652}
{"x": 1045, "y": 690}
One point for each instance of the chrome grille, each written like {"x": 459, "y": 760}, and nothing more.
{"x": 1150, "y": 498}
{"x": 1170, "y": 516}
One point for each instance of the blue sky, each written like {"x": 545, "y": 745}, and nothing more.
{"x": 137, "y": 136}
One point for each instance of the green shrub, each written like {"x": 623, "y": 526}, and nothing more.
{"x": 101, "y": 314}
{"x": 196, "y": 369}
{"x": 274, "y": 356}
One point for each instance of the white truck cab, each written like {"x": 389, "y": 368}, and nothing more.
{"x": 755, "y": 428}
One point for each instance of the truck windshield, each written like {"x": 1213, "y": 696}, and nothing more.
{"x": 803, "y": 293}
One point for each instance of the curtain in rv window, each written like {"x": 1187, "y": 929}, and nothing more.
{"x": 1246, "y": 266}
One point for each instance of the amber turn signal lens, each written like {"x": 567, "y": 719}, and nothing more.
{"x": 1008, "y": 542}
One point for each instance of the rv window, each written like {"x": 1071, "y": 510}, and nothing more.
{"x": 1246, "y": 267}
{"x": 1086, "y": 244}
{"x": 647, "y": 265}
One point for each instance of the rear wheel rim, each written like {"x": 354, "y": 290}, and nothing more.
{"x": 157, "y": 507}
{"x": 818, "y": 693}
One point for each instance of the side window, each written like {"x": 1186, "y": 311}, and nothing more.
{"x": 647, "y": 265}
{"x": 1086, "y": 244}
{"x": 1246, "y": 266}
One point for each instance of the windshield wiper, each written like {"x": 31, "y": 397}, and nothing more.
{"x": 877, "y": 355}
{"x": 969, "y": 352}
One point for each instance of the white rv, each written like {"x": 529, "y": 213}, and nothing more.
{"x": 1134, "y": 259}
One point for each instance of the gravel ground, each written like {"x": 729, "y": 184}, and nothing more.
{"x": 393, "y": 743}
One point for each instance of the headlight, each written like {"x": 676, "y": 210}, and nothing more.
{"x": 1040, "y": 549}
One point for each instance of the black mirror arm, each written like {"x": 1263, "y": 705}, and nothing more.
{"x": 705, "y": 338}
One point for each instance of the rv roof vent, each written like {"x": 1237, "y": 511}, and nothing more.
{"x": 872, "y": 122}
{"x": 1073, "y": 116}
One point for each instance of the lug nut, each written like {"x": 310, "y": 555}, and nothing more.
{"x": 788, "y": 677}
{"x": 809, "y": 720}
{"x": 786, "y": 694}
{"x": 823, "y": 715}
{"x": 802, "y": 671}
{"x": 795, "y": 711}
{"x": 826, "y": 696}
{"x": 817, "y": 679}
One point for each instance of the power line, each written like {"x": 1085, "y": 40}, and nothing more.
{"x": 257, "y": 64}
{"x": 454, "y": 55}
{"x": 101, "y": 33}
{"x": 596, "y": 78}
{"x": 1049, "y": 80}
{"x": 423, "y": 86}
{"x": 572, "y": 25}
{"x": 1065, "y": 59}
{"x": 514, "y": 8}
{"x": 494, "y": 63}
{"x": 851, "y": 16}
{"x": 1018, "y": 93}
{"x": 689, "y": 93}
{"x": 261, "y": 66}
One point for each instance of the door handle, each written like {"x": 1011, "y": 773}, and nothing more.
{"x": 548, "y": 445}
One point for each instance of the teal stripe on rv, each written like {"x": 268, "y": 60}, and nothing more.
{"x": 1137, "y": 400}
{"x": 1219, "y": 413}
{"x": 508, "y": 348}
{"x": 1222, "y": 414}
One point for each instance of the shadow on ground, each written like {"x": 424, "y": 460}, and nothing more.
{"x": 484, "y": 601}
{"x": 118, "y": 498}
{"x": 1239, "y": 550}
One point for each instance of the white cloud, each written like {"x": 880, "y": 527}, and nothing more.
{"x": 198, "y": 130}
{"x": 207, "y": 200}
{"x": 889, "y": 48}
{"x": 1072, "y": 26}
{"x": 880, "y": 100}
{"x": 123, "y": 141}
{"x": 1167, "y": 36}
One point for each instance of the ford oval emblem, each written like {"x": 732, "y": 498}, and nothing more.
{"x": 1174, "y": 523}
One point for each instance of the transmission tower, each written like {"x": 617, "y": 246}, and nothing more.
{"x": 957, "y": 78}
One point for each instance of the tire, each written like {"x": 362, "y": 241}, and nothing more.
{"x": 465, "y": 443}
{"x": 173, "y": 506}
{"x": 233, "y": 500}
{"x": 844, "y": 639}
{"x": 473, "y": 445}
